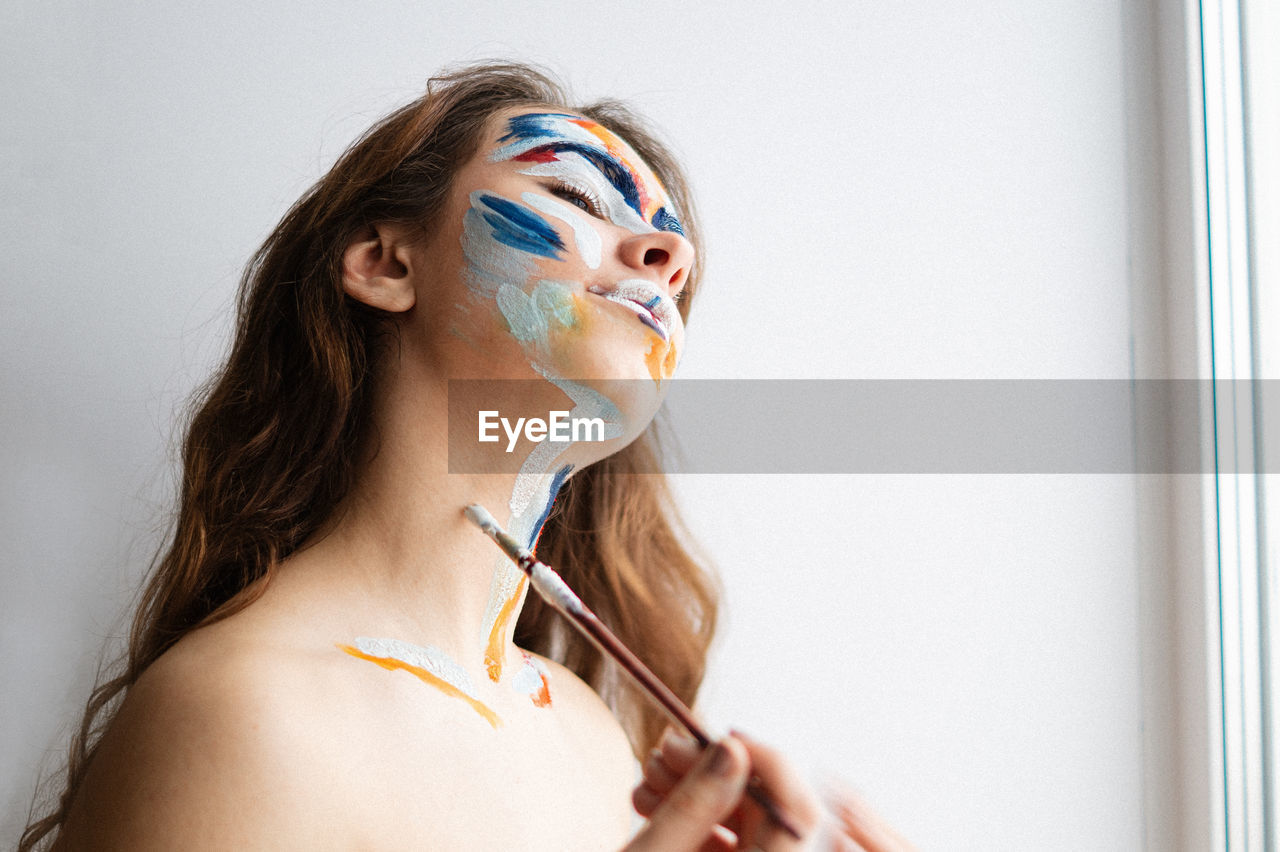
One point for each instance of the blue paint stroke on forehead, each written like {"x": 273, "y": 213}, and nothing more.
{"x": 531, "y": 125}
{"x": 521, "y": 228}
{"x": 543, "y": 124}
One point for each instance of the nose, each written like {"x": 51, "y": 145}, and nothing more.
{"x": 662, "y": 256}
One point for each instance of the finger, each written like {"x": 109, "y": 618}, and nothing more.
{"x": 831, "y": 836}
{"x": 841, "y": 842}
{"x": 784, "y": 785}
{"x": 673, "y": 757}
{"x": 734, "y": 822}
{"x": 721, "y": 840}
{"x": 679, "y": 752}
{"x": 658, "y": 775}
{"x": 688, "y": 816}
{"x": 864, "y": 825}
{"x": 748, "y": 823}
{"x": 645, "y": 800}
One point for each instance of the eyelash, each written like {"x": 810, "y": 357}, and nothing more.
{"x": 573, "y": 193}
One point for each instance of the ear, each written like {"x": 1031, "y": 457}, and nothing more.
{"x": 377, "y": 270}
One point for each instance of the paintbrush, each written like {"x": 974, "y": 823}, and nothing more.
{"x": 557, "y": 593}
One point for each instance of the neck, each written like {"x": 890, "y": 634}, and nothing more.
{"x": 401, "y": 545}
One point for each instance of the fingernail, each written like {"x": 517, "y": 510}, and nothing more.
{"x": 675, "y": 741}
{"x": 721, "y": 762}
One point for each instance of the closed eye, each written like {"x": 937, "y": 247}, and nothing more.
{"x": 580, "y": 198}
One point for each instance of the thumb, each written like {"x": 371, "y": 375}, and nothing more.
{"x": 703, "y": 798}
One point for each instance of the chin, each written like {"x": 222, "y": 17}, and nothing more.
{"x": 610, "y": 386}
{"x": 585, "y": 453}
{"x": 617, "y": 349}
{"x": 625, "y": 374}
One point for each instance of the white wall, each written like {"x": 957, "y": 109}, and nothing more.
{"x": 909, "y": 190}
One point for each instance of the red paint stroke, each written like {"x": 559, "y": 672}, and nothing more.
{"x": 537, "y": 155}
{"x": 542, "y": 696}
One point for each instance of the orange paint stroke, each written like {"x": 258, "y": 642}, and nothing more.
{"x": 661, "y": 360}
{"x": 391, "y": 664}
{"x": 542, "y": 696}
{"x": 493, "y": 654}
{"x": 580, "y": 312}
{"x": 617, "y": 147}
{"x": 607, "y": 137}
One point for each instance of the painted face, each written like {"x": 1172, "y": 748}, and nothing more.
{"x": 572, "y": 248}
{"x": 559, "y": 259}
{"x": 571, "y": 258}
{"x": 578, "y": 153}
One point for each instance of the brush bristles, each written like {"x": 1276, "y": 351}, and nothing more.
{"x": 546, "y": 581}
{"x": 480, "y": 516}
{"x": 554, "y": 589}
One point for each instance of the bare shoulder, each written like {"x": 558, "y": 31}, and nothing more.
{"x": 215, "y": 746}
{"x": 593, "y": 720}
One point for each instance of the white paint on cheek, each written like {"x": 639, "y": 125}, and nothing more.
{"x": 574, "y": 170}
{"x": 527, "y": 323}
{"x": 533, "y": 316}
{"x": 426, "y": 657}
{"x": 490, "y": 264}
{"x": 584, "y": 235}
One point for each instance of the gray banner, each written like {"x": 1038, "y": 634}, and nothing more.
{"x": 932, "y": 426}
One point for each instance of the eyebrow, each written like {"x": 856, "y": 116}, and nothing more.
{"x": 533, "y": 126}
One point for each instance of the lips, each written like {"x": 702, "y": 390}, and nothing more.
{"x": 651, "y": 305}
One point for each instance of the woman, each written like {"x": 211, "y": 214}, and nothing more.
{"x": 327, "y": 654}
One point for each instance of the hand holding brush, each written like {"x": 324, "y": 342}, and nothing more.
{"x": 693, "y": 787}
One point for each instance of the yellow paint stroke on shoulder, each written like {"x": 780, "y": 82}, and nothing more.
{"x": 493, "y": 653}
{"x": 391, "y": 664}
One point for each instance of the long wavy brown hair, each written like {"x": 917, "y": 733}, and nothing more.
{"x": 262, "y": 473}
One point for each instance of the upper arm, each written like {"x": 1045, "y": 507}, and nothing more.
{"x": 199, "y": 756}
{"x": 605, "y": 745}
